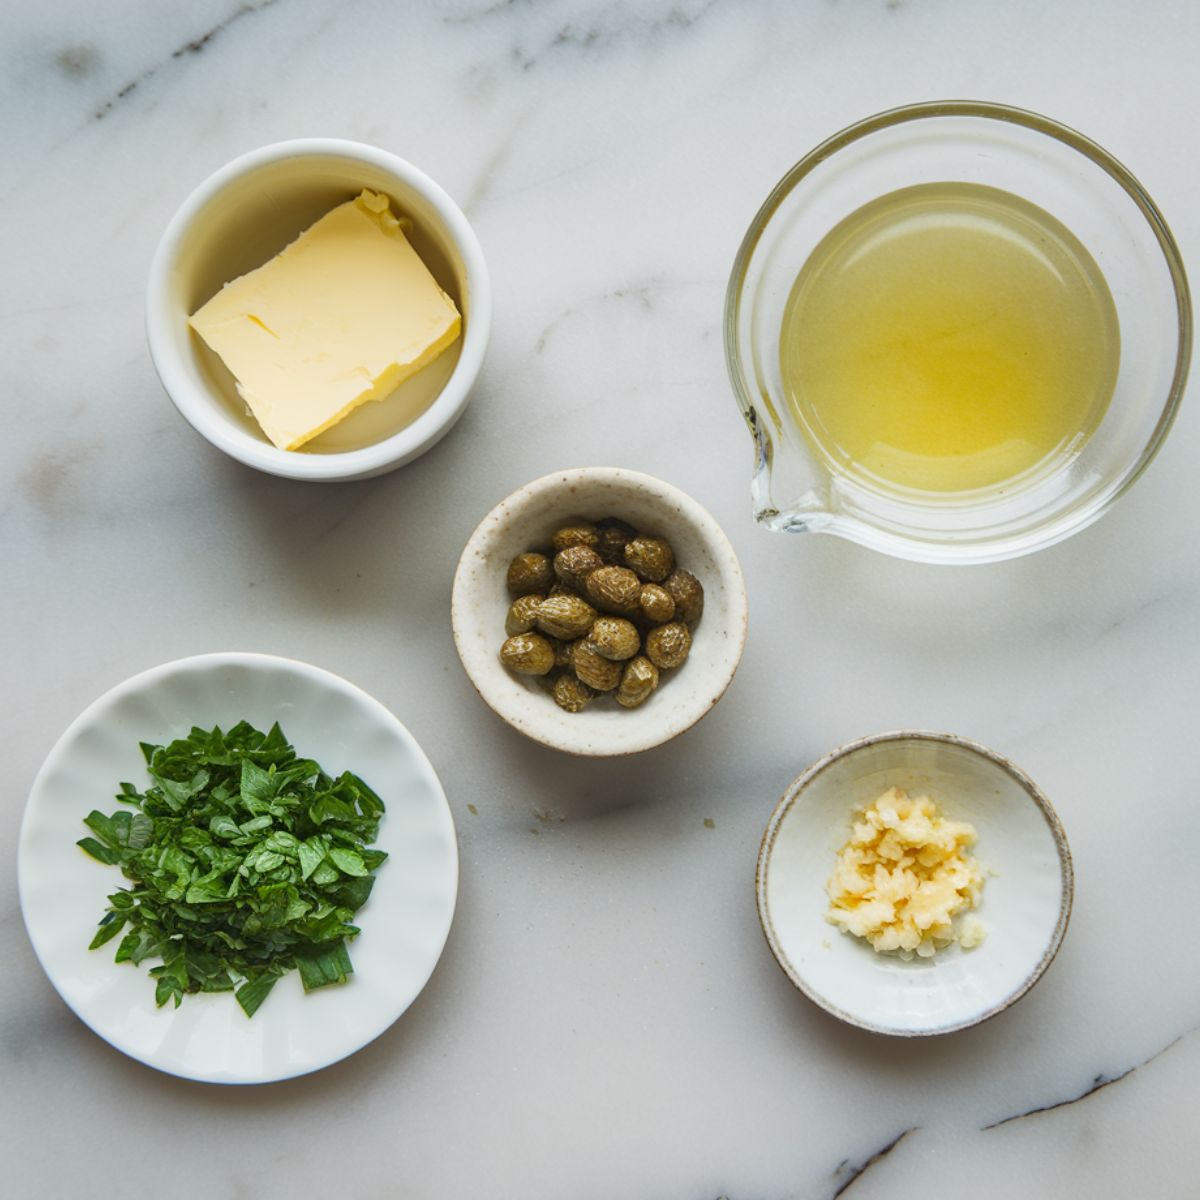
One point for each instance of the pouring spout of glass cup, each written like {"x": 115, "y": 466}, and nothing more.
{"x": 812, "y": 508}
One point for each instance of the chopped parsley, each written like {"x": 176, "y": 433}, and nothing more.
{"x": 244, "y": 861}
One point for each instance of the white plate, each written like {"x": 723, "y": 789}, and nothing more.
{"x": 1025, "y": 904}
{"x": 404, "y": 924}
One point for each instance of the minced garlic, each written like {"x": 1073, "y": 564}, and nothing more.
{"x": 904, "y": 875}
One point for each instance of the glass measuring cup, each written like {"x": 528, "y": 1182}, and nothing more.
{"x": 795, "y": 489}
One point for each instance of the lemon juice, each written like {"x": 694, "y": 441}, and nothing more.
{"x": 949, "y": 337}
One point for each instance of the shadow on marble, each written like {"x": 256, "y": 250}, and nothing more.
{"x": 896, "y": 1060}
{"x": 562, "y": 788}
{"x": 1066, "y": 592}
{"x": 342, "y": 546}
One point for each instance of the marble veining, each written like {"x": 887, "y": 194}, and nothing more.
{"x": 848, "y": 1173}
{"x": 1101, "y": 1081}
{"x": 77, "y": 61}
{"x": 607, "y": 1019}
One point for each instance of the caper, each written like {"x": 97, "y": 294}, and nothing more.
{"x": 668, "y": 645}
{"x": 615, "y": 590}
{"x": 522, "y": 614}
{"x": 656, "y": 603}
{"x": 594, "y": 669}
{"x": 565, "y": 617}
{"x": 638, "y": 680}
{"x": 612, "y": 536}
{"x": 687, "y": 593}
{"x": 615, "y": 638}
{"x": 578, "y": 533}
{"x": 558, "y": 588}
{"x": 574, "y": 564}
{"x": 527, "y": 654}
{"x": 564, "y": 652}
{"x": 529, "y": 573}
{"x": 571, "y": 693}
{"x": 650, "y": 557}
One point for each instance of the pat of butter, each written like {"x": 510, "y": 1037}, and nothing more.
{"x": 341, "y": 316}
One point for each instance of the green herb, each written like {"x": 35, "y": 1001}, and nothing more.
{"x": 246, "y": 862}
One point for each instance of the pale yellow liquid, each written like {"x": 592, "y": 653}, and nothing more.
{"x": 949, "y": 337}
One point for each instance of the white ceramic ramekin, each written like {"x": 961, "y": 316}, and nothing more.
{"x": 243, "y": 215}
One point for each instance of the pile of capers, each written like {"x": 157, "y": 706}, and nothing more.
{"x": 605, "y": 609}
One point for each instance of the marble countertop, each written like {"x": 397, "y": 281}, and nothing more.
{"x": 606, "y": 1020}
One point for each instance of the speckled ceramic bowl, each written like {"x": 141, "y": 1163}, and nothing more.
{"x": 1025, "y": 906}
{"x": 527, "y": 519}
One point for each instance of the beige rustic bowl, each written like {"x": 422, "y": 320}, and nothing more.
{"x": 1026, "y": 901}
{"x": 527, "y": 519}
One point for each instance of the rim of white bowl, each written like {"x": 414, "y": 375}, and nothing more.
{"x": 196, "y": 404}
{"x": 584, "y": 744}
{"x": 793, "y": 793}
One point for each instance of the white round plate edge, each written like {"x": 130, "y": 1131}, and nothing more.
{"x": 386, "y": 1007}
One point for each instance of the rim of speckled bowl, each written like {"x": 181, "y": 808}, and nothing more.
{"x": 644, "y": 733}
{"x": 199, "y": 406}
{"x": 792, "y": 796}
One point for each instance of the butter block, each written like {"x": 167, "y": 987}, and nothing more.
{"x": 342, "y": 315}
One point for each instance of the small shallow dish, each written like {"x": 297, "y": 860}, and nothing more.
{"x": 1025, "y": 906}
{"x": 404, "y": 924}
{"x": 527, "y": 519}
{"x": 241, "y": 217}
